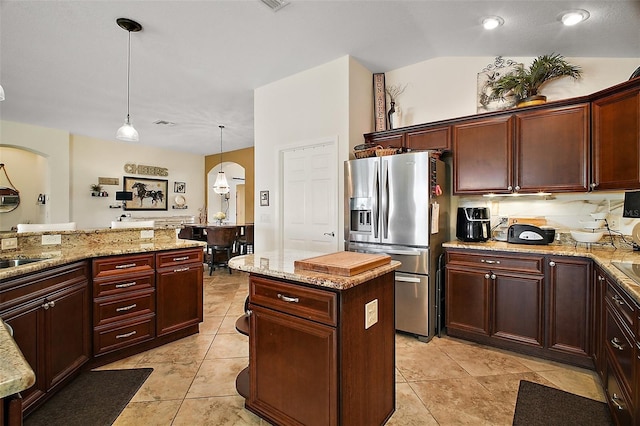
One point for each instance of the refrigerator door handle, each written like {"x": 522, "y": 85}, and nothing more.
{"x": 385, "y": 199}
{"x": 388, "y": 251}
{"x": 376, "y": 200}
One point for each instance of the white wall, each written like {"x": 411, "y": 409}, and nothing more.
{"x": 313, "y": 105}
{"x": 92, "y": 158}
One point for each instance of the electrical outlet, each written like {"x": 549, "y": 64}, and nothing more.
{"x": 9, "y": 243}
{"x": 51, "y": 239}
{"x": 370, "y": 313}
{"x": 146, "y": 233}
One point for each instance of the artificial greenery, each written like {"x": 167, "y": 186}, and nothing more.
{"x": 523, "y": 83}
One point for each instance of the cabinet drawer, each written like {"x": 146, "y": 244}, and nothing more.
{"x": 620, "y": 348}
{"x": 530, "y": 264}
{"x": 622, "y": 305}
{"x": 617, "y": 399}
{"x": 118, "y": 336}
{"x": 109, "y": 266}
{"x": 128, "y": 283}
{"x": 182, "y": 257}
{"x": 304, "y": 302}
{"x": 119, "y": 308}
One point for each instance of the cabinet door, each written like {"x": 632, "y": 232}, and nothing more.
{"x": 518, "y": 308}
{"x": 432, "y": 138}
{"x": 616, "y": 141}
{"x": 467, "y": 300}
{"x": 293, "y": 368}
{"x": 569, "y": 292}
{"x": 393, "y": 140}
{"x": 482, "y": 156}
{"x": 67, "y": 332}
{"x": 179, "y": 297}
{"x": 552, "y": 149}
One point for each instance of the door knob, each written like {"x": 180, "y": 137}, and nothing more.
{"x": 331, "y": 234}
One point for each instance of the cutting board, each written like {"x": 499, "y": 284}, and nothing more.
{"x": 537, "y": 221}
{"x": 344, "y": 263}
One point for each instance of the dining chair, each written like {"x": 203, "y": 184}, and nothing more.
{"x": 246, "y": 241}
{"x": 220, "y": 239}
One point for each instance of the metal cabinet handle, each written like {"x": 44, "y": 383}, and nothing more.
{"x": 288, "y": 299}
{"x": 125, "y": 285}
{"x": 593, "y": 185}
{"x": 490, "y": 262}
{"x": 486, "y": 276}
{"x": 126, "y": 308}
{"x": 178, "y": 259}
{"x": 493, "y": 276}
{"x": 618, "y": 299}
{"x": 125, "y": 335}
{"x": 615, "y": 398}
{"x": 552, "y": 263}
{"x": 180, "y": 269}
{"x": 616, "y": 343}
{"x": 517, "y": 187}
{"x": 509, "y": 188}
{"x": 125, "y": 266}
{"x": 600, "y": 278}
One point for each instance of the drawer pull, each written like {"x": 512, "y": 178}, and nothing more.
{"x": 615, "y": 342}
{"x": 288, "y": 299}
{"x": 126, "y": 308}
{"x": 615, "y": 398}
{"x": 180, "y": 269}
{"x": 126, "y": 265}
{"x": 487, "y": 276}
{"x": 178, "y": 259}
{"x": 125, "y": 335}
{"x": 125, "y": 285}
{"x": 618, "y": 299}
{"x": 48, "y": 305}
{"x": 490, "y": 262}
{"x": 552, "y": 263}
{"x": 493, "y": 276}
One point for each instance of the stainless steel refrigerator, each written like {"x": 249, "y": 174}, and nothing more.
{"x": 398, "y": 205}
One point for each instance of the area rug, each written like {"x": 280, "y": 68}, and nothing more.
{"x": 93, "y": 398}
{"x": 544, "y": 406}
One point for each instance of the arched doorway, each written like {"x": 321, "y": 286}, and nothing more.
{"x": 231, "y": 204}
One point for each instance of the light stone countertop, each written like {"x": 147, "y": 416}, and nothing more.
{"x": 15, "y": 373}
{"x": 280, "y": 264}
{"x": 601, "y": 254}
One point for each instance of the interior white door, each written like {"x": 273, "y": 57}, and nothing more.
{"x": 310, "y": 198}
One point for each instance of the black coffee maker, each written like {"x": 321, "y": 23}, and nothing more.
{"x": 474, "y": 224}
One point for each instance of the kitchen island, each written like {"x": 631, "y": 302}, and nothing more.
{"x": 321, "y": 346}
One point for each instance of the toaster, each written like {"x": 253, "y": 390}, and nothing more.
{"x": 529, "y": 234}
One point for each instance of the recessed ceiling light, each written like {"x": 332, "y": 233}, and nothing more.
{"x": 491, "y": 22}
{"x": 573, "y": 17}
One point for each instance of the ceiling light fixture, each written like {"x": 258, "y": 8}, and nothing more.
{"x": 573, "y": 17}
{"x": 127, "y": 132}
{"x": 1, "y": 93}
{"x": 275, "y": 5}
{"x": 221, "y": 186}
{"x": 492, "y": 22}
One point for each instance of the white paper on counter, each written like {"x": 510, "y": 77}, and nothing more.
{"x": 435, "y": 215}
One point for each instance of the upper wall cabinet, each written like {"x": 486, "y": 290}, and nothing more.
{"x": 616, "y": 140}
{"x": 524, "y": 152}
{"x": 415, "y": 138}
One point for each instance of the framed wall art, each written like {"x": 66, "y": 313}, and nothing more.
{"x": 148, "y": 194}
{"x": 179, "y": 187}
{"x": 264, "y": 198}
{"x": 489, "y": 74}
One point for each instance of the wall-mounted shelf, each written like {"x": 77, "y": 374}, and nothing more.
{"x": 179, "y": 207}
{"x": 100, "y": 194}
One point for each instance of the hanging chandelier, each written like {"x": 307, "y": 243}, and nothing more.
{"x": 1, "y": 93}
{"x": 221, "y": 186}
{"x": 127, "y": 132}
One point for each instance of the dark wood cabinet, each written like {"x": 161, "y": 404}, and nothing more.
{"x": 616, "y": 139}
{"x": 552, "y": 149}
{"x": 600, "y": 282}
{"x": 49, "y": 312}
{"x": 432, "y": 138}
{"x": 393, "y": 139}
{"x": 525, "y": 152}
{"x": 179, "y": 287}
{"x": 569, "y": 300}
{"x": 312, "y": 360}
{"x": 467, "y": 300}
{"x": 483, "y": 156}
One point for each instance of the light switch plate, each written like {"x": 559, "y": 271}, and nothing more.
{"x": 9, "y": 243}
{"x": 51, "y": 239}
{"x": 370, "y": 313}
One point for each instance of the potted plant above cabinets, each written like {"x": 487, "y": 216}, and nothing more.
{"x": 96, "y": 190}
{"x": 525, "y": 84}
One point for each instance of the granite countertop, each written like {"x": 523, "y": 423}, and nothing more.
{"x": 280, "y": 264}
{"x": 601, "y": 254}
{"x": 15, "y": 373}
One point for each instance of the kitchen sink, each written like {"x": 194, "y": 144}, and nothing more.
{"x": 8, "y": 263}
{"x": 631, "y": 270}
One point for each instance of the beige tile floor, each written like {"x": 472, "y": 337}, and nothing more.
{"x": 443, "y": 382}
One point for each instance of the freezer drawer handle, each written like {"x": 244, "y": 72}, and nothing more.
{"x": 399, "y": 252}
{"x": 288, "y": 299}
{"x": 407, "y": 279}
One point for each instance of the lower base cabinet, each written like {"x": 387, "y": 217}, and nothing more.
{"x": 311, "y": 359}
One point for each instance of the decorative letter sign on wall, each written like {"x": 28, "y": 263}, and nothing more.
{"x": 139, "y": 169}
{"x": 379, "y": 102}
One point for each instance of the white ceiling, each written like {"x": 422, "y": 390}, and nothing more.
{"x": 196, "y": 63}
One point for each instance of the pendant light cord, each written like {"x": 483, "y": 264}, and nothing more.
{"x": 221, "y": 127}
{"x": 128, "y": 73}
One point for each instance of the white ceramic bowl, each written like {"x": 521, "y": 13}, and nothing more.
{"x": 592, "y": 224}
{"x": 586, "y": 236}
{"x": 599, "y": 216}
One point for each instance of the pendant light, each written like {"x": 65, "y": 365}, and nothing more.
{"x": 1, "y": 93}
{"x": 127, "y": 132}
{"x": 221, "y": 186}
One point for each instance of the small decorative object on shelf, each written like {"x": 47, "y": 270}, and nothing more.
{"x": 219, "y": 217}
{"x": 525, "y": 84}
{"x": 492, "y": 72}
{"x": 393, "y": 92}
{"x": 96, "y": 189}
